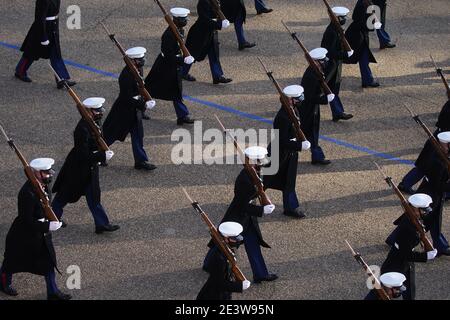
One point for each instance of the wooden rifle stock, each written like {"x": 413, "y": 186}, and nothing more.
{"x": 338, "y": 27}
{"x": 410, "y": 211}
{"x": 312, "y": 63}
{"x": 441, "y": 74}
{"x": 300, "y": 136}
{"x": 131, "y": 66}
{"x": 37, "y": 186}
{"x": 262, "y": 196}
{"x": 382, "y": 294}
{"x": 216, "y": 7}
{"x": 218, "y": 239}
{"x": 174, "y": 29}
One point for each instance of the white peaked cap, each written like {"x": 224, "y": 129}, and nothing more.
{"x": 420, "y": 200}
{"x": 230, "y": 229}
{"x": 256, "y": 153}
{"x": 180, "y": 12}
{"x": 392, "y": 279}
{"x": 94, "y": 102}
{"x": 444, "y": 137}
{"x": 40, "y": 164}
{"x": 293, "y": 91}
{"x": 318, "y": 53}
{"x": 340, "y": 11}
{"x": 136, "y": 52}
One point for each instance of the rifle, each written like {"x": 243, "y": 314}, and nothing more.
{"x": 286, "y": 105}
{"x": 382, "y": 294}
{"x": 312, "y": 63}
{"x": 85, "y": 114}
{"x": 436, "y": 144}
{"x": 338, "y": 27}
{"x": 174, "y": 30}
{"x": 410, "y": 211}
{"x": 37, "y": 186}
{"x": 131, "y": 66}
{"x": 441, "y": 74}
{"x": 263, "y": 198}
{"x": 216, "y": 7}
{"x": 218, "y": 239}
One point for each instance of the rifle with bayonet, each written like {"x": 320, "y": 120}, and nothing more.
{"x": 436, "y": 144}
{"x": 218, "y": 239}
{"x": 37, "y": 186}
{"x": 382, "y": 294}
{"x": 131, "y": 66}
{"x": 412, "y": 213}
{"x": 300, "y": 136}
{"x": 174, "y": 30}
{"x": 86, "y": 115}
{"x": 441, "y": 74}
{"x": 217, "y": 10}
{"x": 312, "y": 63}
{"x": 263, "y": 198}
{"x": 338, "y": 27}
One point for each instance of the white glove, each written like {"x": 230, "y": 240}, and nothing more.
{"x": 330, "y": 97}
{"x": 189, "y": 60}
{"x": 350, "y": 53}
{"x": 54, "y": 225}
{"x": 431, "y": 254}
{"x": 306, "y": 145}
{"x": 377, "y": 25}
{"x": 45, "y": 43}
{"x": 225, "y": 24}
{"x": 269, "y": 209}
{"x": 150, "y": 104}
{"x": 109, "y": 154}
{"x": 245, "y": 285}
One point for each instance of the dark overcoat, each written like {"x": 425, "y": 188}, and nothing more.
{"x": 233, "y": 8}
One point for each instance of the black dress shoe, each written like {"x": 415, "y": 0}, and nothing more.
{"x": 246, "y": 45}
{"x": 60, "y": 84}
{"x": 269, "y": 277}
{"x": 24, "y": 78}
{"x": 297, "y": 213}
{"x": 343, "y": 116}
{"x": 222, "y": 79}
{"x": 59, "y": 296}
{"x": 445, "y": 252}
{"x": 184, "y": 120}
{"x": 106, "y": 228}
{"x": 265, "y": 10}
{"x": 387, "y": 46}
{"x": 404, "y": 189}
{"x": 144, "y": 166}
{"x": 10, "y": 291}
{"x": 374, "y": 84}
{"x": 323, "y": 162}
{"x": 188, "y": 77}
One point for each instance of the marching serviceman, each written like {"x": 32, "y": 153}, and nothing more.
{"x": 236, "y": 13}
{"x": 203, "y": 40}
{"x": 29, "y": 245}
{"x": 261, "y": 7}
{"x": 309, "y": 110}
{"x": 125, "y": 116}
{"x": 79, "y": 175}
{"x": 336, "y": 53}
{"x": 402, "y": 256}
{"x": 383, "y": 36}
{"x": 357, "y": 35}
{"x": 220, "y": 283}
{"x": 392, "y": 284}
{"x": 286, "y": 177}
{"x": 243, "y": 211}
{"x": 42, "y": 41}
{"x": 165, "y": 78}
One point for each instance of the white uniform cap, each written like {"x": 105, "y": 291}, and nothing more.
{"x": 230, "y": 229}
{"x": 420, "y": 200}
{"x": 340, "y": 11}
{"x": 136, "y": 52}
{"x": 444, "y": 137}
{"x": 392, "y": 279}
{"x": 180, "y": 12}
{"x": 42, "y": 164}
{"x": 256, "y": 153}
{"x": 293, "y": 91}
{"x": 94, "y": 102}
{"x": 318, "y": 53}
